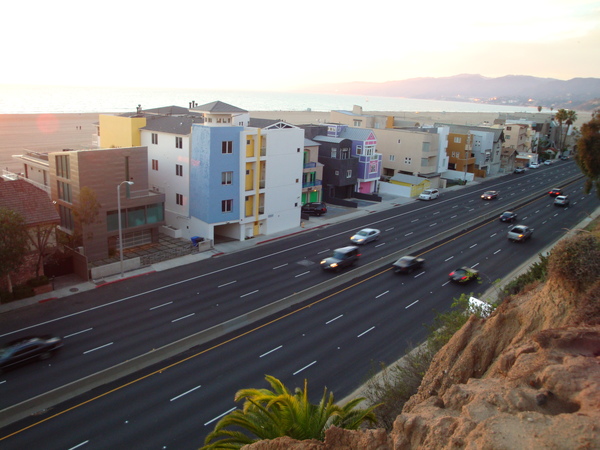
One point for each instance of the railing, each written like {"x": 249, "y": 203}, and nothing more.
{"x": 310, "y": 165}
{"x": 312, "y": 183}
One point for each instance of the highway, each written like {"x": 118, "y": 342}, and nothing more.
{"x": 333, "y": 343}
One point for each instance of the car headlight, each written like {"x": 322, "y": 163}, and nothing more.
{"x": 333, "y": 265}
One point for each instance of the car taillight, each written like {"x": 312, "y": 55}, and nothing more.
{"x": 451, "y": 274}
{"x": 464, "y": 278}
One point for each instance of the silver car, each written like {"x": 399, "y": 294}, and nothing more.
{"x": 429, "y": 194}
{"x": 365, "y": 236}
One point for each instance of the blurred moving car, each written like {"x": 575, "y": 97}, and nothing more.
{"x": 429, "y": 194}
{"x": 341, "y": 257}
{"x": 554, "y": 192}
{"x": 533, "y": 165}
{"x": 28, "y": 349}
{"x": 520, "y": 170}
{"x": 408, "y": 264}
{"x": 547, "y": 162}
{"x": 489, "y": 195}
{"x": 508, "y": 216}
{"x": 365, "y": 236}
{"x": 520, "y": 233}
{"x": 463, "y": 275}
{"x": 315, "y": 208}
{"x": 561, "y": 200}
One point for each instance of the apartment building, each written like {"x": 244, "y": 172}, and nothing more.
{"x": 312, "y": 173}
{"x": 85, "y": 185}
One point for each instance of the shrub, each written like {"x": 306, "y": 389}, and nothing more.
{"x": 42, "y": 280}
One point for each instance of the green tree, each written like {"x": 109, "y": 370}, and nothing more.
{"x": 570, "y": 120}
{"x": 269, "y": 414}
{"x": 86, "y": 214}
{"x": 561, "y": 116}
{"x": 588, "y": 153}
{"x": 13, "y": 242}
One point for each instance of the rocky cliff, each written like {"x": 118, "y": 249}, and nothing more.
{"x": 527, "y": 377}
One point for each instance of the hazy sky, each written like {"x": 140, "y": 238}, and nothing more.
{"x": 279, "y": 45}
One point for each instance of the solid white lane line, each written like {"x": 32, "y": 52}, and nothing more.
{"x": 227, "y": 284}
{"x": 184, "y": 317}
{"x": 301, "y": 274}
{"x": 160, "y": 306}
{"x": 448, "y": 259}
{"x": 185, "y": 393}
{"x": 493, "y": 235}
{"x": 382, "y": 294}
{"x": 419, "y": 274}
{"x": 220, "y": 415}
{"x": 433, "y": 224}
{"x": 474, "y": 245}
{"x": 77, "y": 332}
{"x": 413, "y": 303}
{"x": 249, "y": 293}
{"x": 335, "y": 318}
{"x": 79, "y": 445}
{"x": 365, "y": 332}
{"x": 446, "y": 283}
{"x": 408, "y": 234}
{"x": 97, "y": 348}
{"x": 474, "y": 265}
{"x": 271, "y": 351}
{"x": 305, "y": 367}
{"x": 497, "y": 251}
{"x": 279, "y": 267}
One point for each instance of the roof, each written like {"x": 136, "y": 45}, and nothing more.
{"x": 172, "y": 124}
{"x": 466, "y": 128}
{"x": 218, "y": 107}
{"x": 32, "y": 203}
{"x": 329, "y": 139}
{"x": 310, "y": 143}
{"x": 357, "y": 134}
{"x": 162, "y": 111}
{"x": 408, "y": 179}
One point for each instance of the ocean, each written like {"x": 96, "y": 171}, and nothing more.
{"x": 20, "y": 99}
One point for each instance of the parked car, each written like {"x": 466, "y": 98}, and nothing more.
{"x": 28, "y": 349}
{"x": 564, "y": 158}
{"x": 341, "y": 257}
{"x": 508, "y": 216}
{"x": 555, "y": 192}
{"x": 561, "y": 200}
{"x": 365, "y": 236}
{"x": 533, "y": 165}
{"x": 547, "y": 162}
{"x": 463, "y": 275}
{"x": 520, "y": 233}
{"x": 408, "y": 264}
{"x": 315, "y": 208}
{"x": 429, "y": 194}
{"x": 520, "y": 170}
{"x": 489, "y": 195}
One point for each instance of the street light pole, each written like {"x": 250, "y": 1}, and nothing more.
{"x": 119, "y": 217}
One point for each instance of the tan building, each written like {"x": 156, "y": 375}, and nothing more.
{"x": 312, "y": 174}
{"x": 80, "y": 175}
{"x": 460, "y": 151}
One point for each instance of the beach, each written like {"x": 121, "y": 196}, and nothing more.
{"x": 44, "y": 133}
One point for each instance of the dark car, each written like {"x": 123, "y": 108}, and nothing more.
{"x": 555, "y": 192}
{"x": 315, "y": 208}
{"x": 508, "y": 216}
{"x": 463, "y": 275}
{"x": 489, "y": 195}
{"x": 342, "y": 257}
{"x": 408, "y": 264}
{"x": 28, "y": 349}
{"x": 520, "y": 170}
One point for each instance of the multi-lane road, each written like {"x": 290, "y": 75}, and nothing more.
{"x": 335, "y": 339}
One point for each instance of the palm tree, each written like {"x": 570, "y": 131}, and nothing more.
{"x": 268, "y": 414}
{"x": 570, "y": 120}
{"x": 560, "y": 116}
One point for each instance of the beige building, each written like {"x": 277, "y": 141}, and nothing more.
{"x": 75, "y": 175}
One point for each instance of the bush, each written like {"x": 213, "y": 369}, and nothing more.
{"x": 42, "y": 280}
{"x": 22, "y": 291}
{"x": 538, "y": 271}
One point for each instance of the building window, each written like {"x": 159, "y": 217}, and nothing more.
{"x": 359, "y": 149}
{"x": 369, "y": 150}
{"x": 392, "y": 157}
{"x": 155, "y": 164}
{"x": 507, "y": 137}
{"x": 508, "y": 128}
{"x": 227, "y": 147}
{"x": 62, "y": 166}
{"x": 179, "y": 199}
{"x": 66, "y": 217}
{"x": 333, "y": 152}
{"x": 179, "y": 170}
{"x": 357, "y": 123}
{"x": 457, "y": 140}
{"x": 154, "y": 138}
{"x": 407, "y": 160}
{"x": 226, "y": 177}
{"x": 227, "y": 205}
{"x": 349, "y": 173}
{"x": 64, "y": 191}
{"x": 178, "y": 142}
{"x": 398, "y": 141}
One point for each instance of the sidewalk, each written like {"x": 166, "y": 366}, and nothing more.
{"x": 72, "y": 284}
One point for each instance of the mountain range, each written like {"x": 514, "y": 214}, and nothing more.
{"x": 577, "y": 93}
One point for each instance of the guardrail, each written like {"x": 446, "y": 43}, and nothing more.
{"x": 44, "y": 401}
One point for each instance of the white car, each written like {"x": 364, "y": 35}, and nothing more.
{"x": 365, "y": 235}
{"x": 547, "y": 162}
{"x": 534, "y": 165}
{"x": 429, "y": 194}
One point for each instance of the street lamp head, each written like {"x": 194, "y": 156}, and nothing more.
{"x": 130, "y": 183}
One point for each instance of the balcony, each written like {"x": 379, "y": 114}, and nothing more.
{"x": 311, "y": 184}
{"x": 310, "y": 165}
